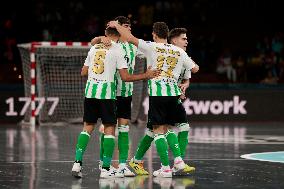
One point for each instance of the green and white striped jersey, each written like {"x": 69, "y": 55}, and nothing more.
{"x": 125, "y": 89}
{"x": 170, "y": 60}
{"x": 103, "y": 63}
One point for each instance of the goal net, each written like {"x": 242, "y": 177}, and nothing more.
{"x": 59, "y": 85}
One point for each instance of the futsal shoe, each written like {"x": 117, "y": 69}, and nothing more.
{"x": 123, "y": 169}
{"x": 111, "y": 173}
{"x": 77, "y": 169}
{"x": 162, "y": 172}
{"x": 181, "y": 168}
{"x": 138, "y": 167}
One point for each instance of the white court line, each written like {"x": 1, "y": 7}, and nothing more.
{"x": 249, "y": 156}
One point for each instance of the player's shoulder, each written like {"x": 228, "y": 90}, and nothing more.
{"x": 146, "y": 42}
{"x": 116, "y": 46}
{"x": 177, "y": 48}
{"x": 182, "y": 52}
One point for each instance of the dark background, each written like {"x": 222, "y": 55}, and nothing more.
{"x": 249, "y": 29}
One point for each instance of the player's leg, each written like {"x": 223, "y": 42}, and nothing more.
{"x": 162, "y": 150}
{"x": 108, "y": 116}
{"x": 136, "y": 162}
{"x": 179, "y": 117}
{"x": 123, "y": 114}
{"x": 101, "y": 135}
{"x": 90, "y": 117}
{"x": 183, "y": 131}
{"x": 157, "y": 117}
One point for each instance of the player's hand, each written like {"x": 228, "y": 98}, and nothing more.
{"x": 96, "y": 40}
{"x": 183, "y": 86}
{"x": 182, "y": 96}
{"x": 106, "y": 41}
{"x": 112, "y": 24}
{"x": 152, "y": 73}
{"x": 195, "y": 69}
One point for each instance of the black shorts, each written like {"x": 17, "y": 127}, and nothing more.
{"x": 165, "y": 110}
{"x": 123, "y": 105}
{"x": 99, "y": 108}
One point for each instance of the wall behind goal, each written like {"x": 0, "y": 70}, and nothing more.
{"x": 203, "y": 104}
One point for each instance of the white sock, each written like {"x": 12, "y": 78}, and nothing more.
{"x": 178, "y": 159}
{"x": 122, "y": 165}
{"x": 166, "y": 167}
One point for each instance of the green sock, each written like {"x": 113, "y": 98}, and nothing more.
{"x": 108, "y": 146}
{"x": 123, "y": 143}
{"x": 81, "y": 146}
{"x": 183, "y": 141}
{"x": 102, "y": 135}
{"x": 162, "y": 148}
{"x": 173, "y": 143}
{"x": 143, "y": 146}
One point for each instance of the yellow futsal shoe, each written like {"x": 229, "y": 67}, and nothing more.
{"x": 182, "y": 169}
{"x": 138, "y": 168}
{"x": 188, "y": 169}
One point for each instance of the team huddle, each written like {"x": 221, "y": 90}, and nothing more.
{"x": 108, "y": 95}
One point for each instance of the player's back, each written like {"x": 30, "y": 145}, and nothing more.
{"x": 103, "y": 62}
{"x": 170, "y": 60}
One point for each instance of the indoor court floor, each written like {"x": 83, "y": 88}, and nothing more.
{"x": 45, "y": 161}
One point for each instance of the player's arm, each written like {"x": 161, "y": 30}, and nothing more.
{"x": 84, "y": 71}
{"x": 149, "y": 74}
{"x": 87, "y": 63}
{"x": 184, "y": 85}
{"x": 195, "y": 69}
{"x": 188, "y": 63}
{"x": 96, "y": 40}
{"x": 124, "y": 32}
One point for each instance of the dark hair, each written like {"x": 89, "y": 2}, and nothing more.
{"x": 161, "y": 29}
{"x": 176, "y": 32}
{"x": 122, "y": 20}
{"x": 112, "y": 31}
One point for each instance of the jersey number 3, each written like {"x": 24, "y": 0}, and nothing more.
{"x": 99, "y": 62}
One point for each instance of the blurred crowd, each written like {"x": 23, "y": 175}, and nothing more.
{"x": 264, "y": 63}
{"x": 228, "y": 46}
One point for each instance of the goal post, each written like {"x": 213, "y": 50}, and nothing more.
{"x": 54, "y": 88}
{"x": 52, "y": 80}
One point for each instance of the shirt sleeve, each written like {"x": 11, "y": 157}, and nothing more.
{"x": 188, "y": 64}
{"x": 121, "y": 62}
{"x": 187, "y": 74}
{"x": 144, "y": 46}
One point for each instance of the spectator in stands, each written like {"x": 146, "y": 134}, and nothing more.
{"x": 240, "y": 67}
{"x": 224, "y": 66}
{"x": 270, "y": 79}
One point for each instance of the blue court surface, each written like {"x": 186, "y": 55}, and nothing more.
{"x": 266, "y": 156}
